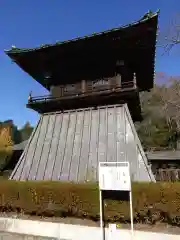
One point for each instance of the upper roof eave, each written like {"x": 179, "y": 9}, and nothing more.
{"x": 145, "y": 18}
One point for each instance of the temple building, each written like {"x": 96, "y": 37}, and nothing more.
{"x": 94, "y": 83}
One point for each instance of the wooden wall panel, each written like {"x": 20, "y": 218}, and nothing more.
{"x": 84, "y": 86}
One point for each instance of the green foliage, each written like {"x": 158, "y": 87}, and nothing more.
{"x": 152, "y": 202}
{"x": 4, "y": 157}
{"x": 156, "y": 134}
{"x": 156, "y": 131}
{"x": 16, "y": 135}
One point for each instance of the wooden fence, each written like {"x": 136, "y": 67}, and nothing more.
{"x": 171, "y": 175}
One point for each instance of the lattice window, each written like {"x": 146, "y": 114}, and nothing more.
{"x": 100, "y": 83}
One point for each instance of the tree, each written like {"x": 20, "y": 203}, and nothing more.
{"x": 171, "y": 37}
{"x": 16, "y": 135}
{"x": 156, "y": 135}
{"x": 26, "y": 131}
{"x": 155, "y": 131}
{"x": 169, "y": 98}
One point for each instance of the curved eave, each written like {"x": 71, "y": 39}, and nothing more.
{"x": 15, "y": 51}
{"x": 27, "y": 58}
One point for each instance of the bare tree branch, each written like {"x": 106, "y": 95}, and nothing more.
{"x": 170, "y": 102}
{"x": 171, "y": 37}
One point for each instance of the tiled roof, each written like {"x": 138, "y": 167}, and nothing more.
{"x": 146, "y": 17}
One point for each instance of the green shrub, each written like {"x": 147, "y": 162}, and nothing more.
{"x": 4, "y": 157}
{"x": 152, "y": 202}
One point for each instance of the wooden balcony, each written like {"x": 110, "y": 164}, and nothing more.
{"x": 127, "y": 93}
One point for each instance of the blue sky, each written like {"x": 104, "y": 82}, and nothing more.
{"x": 31, "y": 23}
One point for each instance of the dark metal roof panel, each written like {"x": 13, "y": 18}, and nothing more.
{"x": 68, "y": 146}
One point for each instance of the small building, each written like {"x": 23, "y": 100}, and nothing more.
{"x": 12, "y": 159}
{"x": 94, "y": 83}
{"x": 165, "y": 165}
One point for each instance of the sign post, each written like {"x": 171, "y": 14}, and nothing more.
{"x": 114, "y": 176}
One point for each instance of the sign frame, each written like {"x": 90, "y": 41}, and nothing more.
{"x": 114, "y": 176}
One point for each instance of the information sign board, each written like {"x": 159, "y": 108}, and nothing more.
{"x": 114, "y": 176}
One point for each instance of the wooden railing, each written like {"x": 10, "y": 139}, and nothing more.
{"x": 125, "y": 86}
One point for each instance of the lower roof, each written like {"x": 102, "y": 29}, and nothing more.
{"x": 68, "y": 146}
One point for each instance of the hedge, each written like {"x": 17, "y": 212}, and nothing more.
{"x": 5, "y": 154}
{"x": 152, "y": 202}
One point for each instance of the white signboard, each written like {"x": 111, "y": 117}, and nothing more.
{"x": 114, "y": 176}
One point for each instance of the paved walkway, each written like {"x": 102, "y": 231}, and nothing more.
{"x": 15, "y": 236}
{"x": 72, "y": 232}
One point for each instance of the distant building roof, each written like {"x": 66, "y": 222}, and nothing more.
{"x": 20, "y": 146}
{"x": 156, "y": 155}
{"x": 163, "y": 155}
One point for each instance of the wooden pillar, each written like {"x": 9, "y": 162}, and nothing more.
{"x": 61, "y": 91}
{"x": 118, "y": 80}
{"x": 134, "y": 80}
{"x": 83, "y": 86}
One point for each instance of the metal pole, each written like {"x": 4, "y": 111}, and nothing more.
{"x": 101, "y": 215}
{"x": 131, "y": 215}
